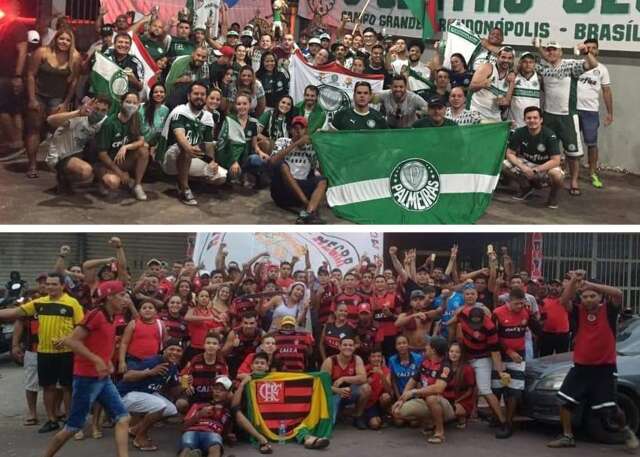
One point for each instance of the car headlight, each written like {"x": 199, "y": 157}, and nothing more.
{"x": 552, "y": 381}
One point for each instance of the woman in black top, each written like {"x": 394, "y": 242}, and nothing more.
{"x": 274, "y": 82}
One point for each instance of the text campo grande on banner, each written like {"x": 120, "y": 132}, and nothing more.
{"x": 615, "y": 23}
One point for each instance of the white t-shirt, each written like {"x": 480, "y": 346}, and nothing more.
{"x": 485, "y": 101}
{"x": 300, "y": 161}
{"x": 425, "y": 72}
{"x": 72, "y": 138}
{"x": 589, "y": 88}
{"x": 397, "y": 65}
{"x": 558, "y": 82}
{"x": 525, "y": 94}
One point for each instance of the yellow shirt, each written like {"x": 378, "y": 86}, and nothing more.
{"x": 56, "y": 319}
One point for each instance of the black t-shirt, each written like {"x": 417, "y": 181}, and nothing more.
{"x": 275, "y": 85}
{"x": 11, "y": 34}
{"x": 380, "y": 71}
{"x": 538, "y": 148}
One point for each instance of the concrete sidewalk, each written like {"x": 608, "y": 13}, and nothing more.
{"x": 34, "y": 201}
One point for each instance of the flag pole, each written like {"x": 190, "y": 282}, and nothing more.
{"x": 360, "y": 16}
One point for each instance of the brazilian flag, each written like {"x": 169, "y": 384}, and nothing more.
{"x": 302, "y": 401}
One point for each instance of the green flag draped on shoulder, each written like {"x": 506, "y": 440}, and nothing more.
{"x": 426, "y": 12}
{"x": 443, "y": 175}
{"x": 177, "y": 70}
{"x": 302, "y": 401}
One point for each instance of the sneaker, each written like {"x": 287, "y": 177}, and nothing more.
{"x": 49, "y": 426}
{"x": 138, "y": 192}
{"x": 595, "y": 181}
{"x": 303, "y": 218}
{"x": 630, "y": 439}
{"x": 504, "y": 431}
{"x": 187, "y": 198}
{"x": 524, "y": 194}
{"x": 359, "y": 423}
{"x": 562, "y": 441}
{"x": 553, "y": 199}
{"x": 314, "y": 219}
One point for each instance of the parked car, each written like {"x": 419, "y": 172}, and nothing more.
{"x": 545, "y": 375}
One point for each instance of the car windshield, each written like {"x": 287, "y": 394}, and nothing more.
{"x": 628, "y": 341}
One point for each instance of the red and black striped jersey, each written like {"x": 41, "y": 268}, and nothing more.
{"x": 431, "y": 371}
{"x": 240, "y": 306}
{"x": 511, "y": 328}
{"x": 215, "y": 422}
{"x": 292, "y": 350}
{"x": 352, "y": 302}
{"x": 325, "y": 308}
{"x": 368, "y": 337}
{"x": 248, "y": 343}
{"x": 478, "y": 343}
{"x": 175, "y": 327}
{"x": 333, "y": 334}
{"x": 204, "y": 376}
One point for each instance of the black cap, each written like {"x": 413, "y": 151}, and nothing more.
{"x": 106, "y": 30}
{"x": 436, "y": 100}
{"x": 476, "y": 317}
{"x": 173, "y": 342}
{"x": 417, "y": 293}
{"x": 555, "y": 280}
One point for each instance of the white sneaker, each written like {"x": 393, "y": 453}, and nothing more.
{"x": 138, "y": 192}
{"x": 187, "y": 198}
{"x": 631, "y": 440}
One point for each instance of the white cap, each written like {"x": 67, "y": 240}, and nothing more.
{"x": 314, "y": 40}
{"x": 33, "y": 37}
{"x": 225, "y": 381}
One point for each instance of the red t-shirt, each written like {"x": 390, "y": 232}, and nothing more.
{"x": 352, "y": 302}
{"x": 198, "y": 330}
{"x": 556, "y": 317}
{"x": 284, "y": 283}
{"x": 455, "y": 389}
{"x": 376, "y": 384}
{"x": 595, "y": 340}
{"x": 216, "y": 422}
{"x": 386, "y": 324}
{"x": 100, "y": 341}
{"x": 511, "y": 327}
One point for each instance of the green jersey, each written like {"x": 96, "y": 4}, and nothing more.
{"x": 350, "y": 119}
{"x": 198, "y": 127}
{"x": 156, "y": 50}
{"x": 538, "y": 148}
{"x": 113, "y": 135}
{"x": 180, "y": 47}
{"x": 426, "y": 122}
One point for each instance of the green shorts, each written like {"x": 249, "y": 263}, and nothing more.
{"x": 566, "y": 127}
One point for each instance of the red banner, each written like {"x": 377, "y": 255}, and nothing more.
{"x": 533, "y": 255}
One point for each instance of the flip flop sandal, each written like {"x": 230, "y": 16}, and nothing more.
{"x": 575, "y": 192}
{"x": 147, "y": 447}
{"x": 30, "y": 422}
{"x": 436, "y": 439}
{"x": 265, "y": 448}
{"x": 96, "y": 434}
{"x": 317, "y": 443}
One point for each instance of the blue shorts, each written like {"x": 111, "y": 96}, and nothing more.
{"x": 88, "y": 390}
{"x": 339, "y": 402}
{"x": 200, "y": 440}
{"x": 589, "y": 124}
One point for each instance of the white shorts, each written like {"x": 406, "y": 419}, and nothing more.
{"x": 144, "y": 403}
{"x": 198, "y": 167}
{"x": 482, "y": 368}
{"x": 31, "y": 371}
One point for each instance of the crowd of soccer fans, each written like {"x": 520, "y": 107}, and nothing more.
{"x": 226, "y": 117}
{"x": 408, "y": 344}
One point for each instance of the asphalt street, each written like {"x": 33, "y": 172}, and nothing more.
{"x": 476, "y": 441}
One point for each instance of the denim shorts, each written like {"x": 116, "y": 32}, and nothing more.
{"x": 200, "y": 440}
{"x": 589, "y": 124}
{"x": 86, "y": 391}
{"x": 339, "y": 402}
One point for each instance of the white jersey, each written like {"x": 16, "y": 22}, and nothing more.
{"x": 205, "y": 11}
{"x": 525, "y": 94}
{"x": 485, "y": 101}
{"x": 424, "y": 72}
{"x": 589, "y": 87}
{"x": 464, "y": 117}
{"x": 397, "y": 64}
{"x": 485, "y": 56}
{"x": 560, "y": 84}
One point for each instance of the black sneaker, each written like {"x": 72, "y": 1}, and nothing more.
{"x": 359, "y": 423}
{"x": 303, "y": 218}
{"x": 504, "y": 431}
{"x": 315, "y": 219}
{"x": 524, "y": 193}
{"x": 553, "y": 199}
{"x": 49, "y": 426}
{"x": 562, "y": 441}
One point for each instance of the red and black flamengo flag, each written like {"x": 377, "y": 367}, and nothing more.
{"x": 286, "y": 400}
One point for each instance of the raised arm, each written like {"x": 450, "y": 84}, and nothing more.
{"x": 397, "y": 265}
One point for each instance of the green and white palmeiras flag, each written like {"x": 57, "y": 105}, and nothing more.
{"x": 459, "y": 39}
{"x": 441, "y": 175}
{"x": 108, "y": 79}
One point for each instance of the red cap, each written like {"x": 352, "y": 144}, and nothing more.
{"x": 364, "y": 308}
{"x": 299, "y": 120}
{"x": 227, "y": 51}
{"x": 108, "y": 288}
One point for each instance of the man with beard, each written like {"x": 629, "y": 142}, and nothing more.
{"x": 400, "y": 106}
{"x": 196, "y": 71}
{"x": 527, "y": 89}
{"x": 419, "y": 73}
{"x": 361, "y": 117}
{"x": 555, "y": 337}
{"x": 155, "y": 40}
{"x": 492, "y": 86}
{"x": 311, "y": 110}
{"x": 592, "y": 378}
{"x": 187, "y": 131}
{"x": 286, "y": 48}
{"x": 242, "y": 341}
{"x": 397, "y": 57}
